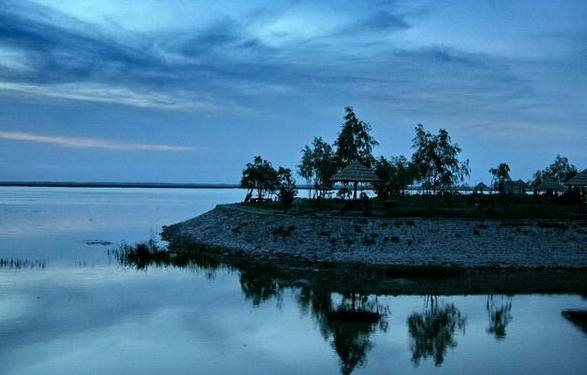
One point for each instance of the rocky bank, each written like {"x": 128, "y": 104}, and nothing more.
{"x": 464, "y": 243}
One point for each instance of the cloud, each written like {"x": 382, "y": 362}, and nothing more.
{"x": 107, "y": 94}
{"x": 381, "y": 21}
{"x": 84, "y": 142}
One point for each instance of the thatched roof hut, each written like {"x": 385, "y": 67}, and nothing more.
{"x": 550, "y": 184}
{"x": 481, "y": 187}
{"x": 517, "y": 187}
{"x": 355, "y": 172}
{"x": 579, "y": 180}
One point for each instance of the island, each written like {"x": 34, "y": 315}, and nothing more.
{"x": 400, "y": 218}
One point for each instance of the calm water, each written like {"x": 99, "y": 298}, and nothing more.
{"x": 66, "y": 306}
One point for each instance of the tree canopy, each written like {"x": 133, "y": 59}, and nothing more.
{"x": 318, "y": 165}
{"x": 286, "y": 186}
{"x": 395, "y": 174}
{"x": 435, "y": 161}
{"x": 260, "y": 176}
{"x": 501, "y": 176}
{"x": 354, "y": 142}
{"x": 561, "y": 170}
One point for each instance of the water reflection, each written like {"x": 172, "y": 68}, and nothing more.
{"x": 433, "y": 330}
{"x": 578, "y": 318}
{"x": 499, "y": 311}
{"x": 346, "y": 321}
{"x": 17, "y": 264}
{"x": 258, "y": 286}
{"x": 348, "y": 326}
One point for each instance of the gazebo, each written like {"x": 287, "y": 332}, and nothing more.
{"x": 480, "y": 188}
{"x": 355, "y": 172}
{"x": 579, "y": 182}
{"x": 550, "y": 185}
{"x": 518, "y": 187}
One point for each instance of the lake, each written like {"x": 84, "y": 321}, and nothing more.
{"x": 68, "y": 306}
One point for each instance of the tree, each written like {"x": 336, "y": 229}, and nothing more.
{"x": 395, "y": 174}
{"x": 259, "y": 176}
{"x": 354, "y": 141}
{"x": 501, "y": 176}
{"x": 306, "y": 168}
{"x": 435, "y": 161}
{"x": 383, "y": 170}
{"x": 286, "y": 186}
{"x": 318, "y": 163}
{"x": 561, "y": 170}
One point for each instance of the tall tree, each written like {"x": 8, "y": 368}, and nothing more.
{"x": 354, "y": 142}
{"x": 306, "y": 168}
{"x": 501, "y": 176}
{"x": 319, "y": 164}
{"x": 561, "y": 169}
{"x": 435, "y": 161}
{"x": 395, "y": 174}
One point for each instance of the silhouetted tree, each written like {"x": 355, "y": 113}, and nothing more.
{"x": 306, "y": 168}
{"x": 436, "y": 161}
{"x": 286, "y": 186}
{"x": 318, "y": 164}
{"x": 501, "y": 176}
{"x": 395, "y": 174}
{"x": 354, "y": 141}
{"x": 561, "y": 170}
{"x": 259, "y": 176}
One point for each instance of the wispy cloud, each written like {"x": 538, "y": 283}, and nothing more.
{"x": 84, "y": 142}
{"x": 117, "y": 95}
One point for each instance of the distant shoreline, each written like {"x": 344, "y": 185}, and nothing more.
{"x": 155, "y": 185}
{"x": 138, "y": 185}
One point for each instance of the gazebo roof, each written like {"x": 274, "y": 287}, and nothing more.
{"x": 578, "y": 180}
{"x": 356, "y": 172}
{"x": 481, "y": 186}
{"x": 520, "y": 183}
{"x": 550, "y": 183}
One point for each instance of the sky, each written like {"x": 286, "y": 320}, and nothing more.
{"x": 190, "y": 91}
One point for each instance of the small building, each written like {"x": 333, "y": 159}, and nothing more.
{"x": 518, "y": 187}
{"x": 480, "y": 188}
{"x": 579, "y": 183}
{"x": 355, "y": 173}
{"x": 550, "y": 186}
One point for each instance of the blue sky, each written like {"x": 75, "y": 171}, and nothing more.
{"x": 189, "y": 91}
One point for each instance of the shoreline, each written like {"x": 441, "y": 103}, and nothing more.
{"x": 376, "y": 279}
{"x": 481, "y": 244}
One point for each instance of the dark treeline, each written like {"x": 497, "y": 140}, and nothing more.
{"x": 435, "y": 166}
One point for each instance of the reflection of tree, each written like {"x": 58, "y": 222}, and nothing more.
{"x": 349, "y": 326}
{"x": 259, "y": 287}
{"x": 499, "y": 313}
{"x": 432, "y": 331}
